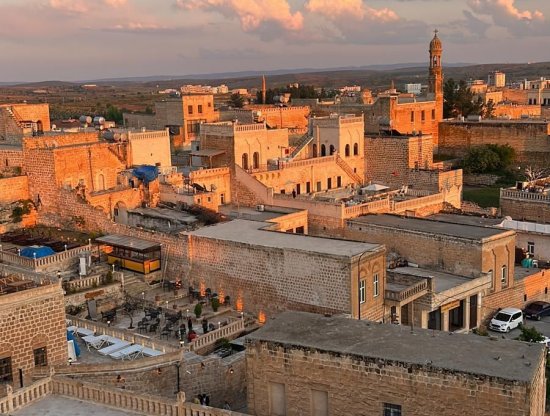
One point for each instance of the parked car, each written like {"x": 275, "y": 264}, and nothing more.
{"x": 536, "y": 310}
{"x": 506, "y": 319}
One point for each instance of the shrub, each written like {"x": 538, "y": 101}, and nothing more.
{"x": 215, "y": 304}
{"x": 198, "y": 310}
{"x": 530, "y": 334}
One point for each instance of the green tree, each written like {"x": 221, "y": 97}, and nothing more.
{"x": 198, "y": 310}
{"x": 488, "y": 110}
{"x": 489, "y": 158}
{"x": 530, "y": 334}
{"x": 458, "y": 100}
{"x": 236, "y": 100}
{"x": 113, "y": 113}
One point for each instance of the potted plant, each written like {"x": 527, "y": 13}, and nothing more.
{"x": 198, "y": 310}
{"x": 215, "y": 304}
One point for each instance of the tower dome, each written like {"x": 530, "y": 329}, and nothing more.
{"x": 435, "y": 44}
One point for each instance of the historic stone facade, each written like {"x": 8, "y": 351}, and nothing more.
{"x": 294, "y": 360}
{"x": 31, "y": 320}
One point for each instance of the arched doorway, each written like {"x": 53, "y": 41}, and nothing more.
{"x": 101, "y": 182}
{"x": 355, "y": 149}
{"x": 245, "y": 161}
{"x": 347, "y": 150}
{"x": 332, "y": 149}
{"x": 323, "y": 150}
{"x": 256, "y": 160}
{"x": 314, "y": 150}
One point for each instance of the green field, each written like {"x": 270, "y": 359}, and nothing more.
{"x": 484, "y": 197}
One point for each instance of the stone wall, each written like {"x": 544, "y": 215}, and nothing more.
{"x": 525, "y": 209}
{"x": 14, "y": 189}
{"x": 528, "y": 138}
{"x": 418, "y": 389}
{"x": 31, "y": 319}
{"x": 269, "y": 280}
{"x": 461, "y": 256}
{"x": 10, "y": 158}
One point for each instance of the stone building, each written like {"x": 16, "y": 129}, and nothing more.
{"x": 32, "y": 329}
{"x": 271, "y": 271}
{"x": 305, "y": 364}
{"x": 293, "y": 118}
{"x": 519, "y": 204}
{"x": 182, "y": 115}
{"x": 19, "y": 120}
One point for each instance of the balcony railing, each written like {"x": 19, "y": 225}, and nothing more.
{"x": 407, "y": 293}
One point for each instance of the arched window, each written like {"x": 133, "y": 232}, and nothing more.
{"x": 332, "y": 149}
{"x": 314, "y": 148}
{"x": 347, "y": 150}
{"x": 245, "y": 161}
{"x": 355, "y": 149}
{"x": 256, "y": 160}
{"x": 101, "y": 182}
{"x": 323, "y": 150}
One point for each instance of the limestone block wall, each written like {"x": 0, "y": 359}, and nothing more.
{"x": 140, "y": 120}
{"x": 269, "y": 279}
{"x": 34, "y": 112}
{"x": 149, "y": 148}
{"x": 418, "y": 389}
{"x": 525, "y": 210}
{"x": 32, "y": 319}
{"x": 10, "y": 158}
{"x": 14, "y": 189}
{"x": 531, "y": 140}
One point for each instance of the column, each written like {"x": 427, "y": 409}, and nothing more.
{"x": 424, "y": 319}
{"x": 445, "y": 321}
{"x": 478, "y": 314}
{"x": 466, "y": 313}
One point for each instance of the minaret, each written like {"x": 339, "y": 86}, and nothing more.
{"x": 263, "y": 90}
{"x": 435, "y": 83}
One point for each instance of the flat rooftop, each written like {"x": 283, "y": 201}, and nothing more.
{"x": 465, "y": 220}
{"x": 251, "y": 232}
{"x": 470, "y": 232}
{"x": 442, "y": 281}
{"x": 498, "y": 121}
{"x": 61, "y": 406}
{"x": 465, "y": 353}
{"x": 137, "y": 244}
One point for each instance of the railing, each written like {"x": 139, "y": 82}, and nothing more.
{"x": 533, "y": 196}
{"x": 25, "y": 396}
{"x": 402, "y": 295}
{"x": 61, "y": 256}
{"x": 100, "y": 328}
{"x": 121, "y": 399}
{"x": 250, "y": 127}
{"x": 210, "y": 338}
{"x": 382, "y": 205}
{"x": 307, "y": 162}
{"x": 262, "y": 192}
{"x": 303, "y": 142}
{"x": 418, "y": 202}
{"x": 83, "y": 283}
{"x": 347, "y": 168}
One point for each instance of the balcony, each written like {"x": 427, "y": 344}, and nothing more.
{"x": 404, "y": 293}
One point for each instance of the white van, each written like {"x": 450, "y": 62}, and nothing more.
{"x": 506, "y": 319}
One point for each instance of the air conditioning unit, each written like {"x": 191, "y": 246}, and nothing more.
{"x": 260, "y": 208}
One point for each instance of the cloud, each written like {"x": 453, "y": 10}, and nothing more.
{"x": 252, "y": 14}
{"x": 138, "y": 27}
{"x": 504, "y": 13}
{"x": 81, "y": 6}
{"x": 469, "y": 29}
{"x": 115, "y": 3}
{"x": 354, "y": 9}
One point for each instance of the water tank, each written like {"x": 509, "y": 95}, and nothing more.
{"x": 85, "y": 119}
{"x": 99, "y": 120}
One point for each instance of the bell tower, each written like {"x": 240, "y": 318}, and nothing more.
{"x": 435, "y": 83}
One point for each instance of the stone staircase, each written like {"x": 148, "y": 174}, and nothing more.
{"x": 347, "y": 168}
{"x": 134, "y": 285}
{"x": 302, "y": 143}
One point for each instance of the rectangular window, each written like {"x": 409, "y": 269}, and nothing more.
{"x": 491, "y": 275}
{"x": 277, "y": 399}
{"x": 433, "y": 114}
{"x": 209, "y": 104}
{"x": 375, "y": 285}
{"x": 40, "y": 357}
{"x": 199, "y": 109}
{"x": 391, "y": 409}
{"x": 319, "y": 186}
{"x": 531, "y": 247}
{"x": 319, "y": 403}
{"x": 329, "y": 183}
{"x": 412, "y": 116}
{"x": 189, "y": 109}
{"x": 423, "y": 115}
{"x": 362, "y": 291}
{"x": 6, "y": 375}
{"x": 504, "y": 276}
{"x": 338, "y": 181}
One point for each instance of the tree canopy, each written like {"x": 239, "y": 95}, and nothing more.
{"x": 458, "y": 100}
{"x": 489, "y": 158}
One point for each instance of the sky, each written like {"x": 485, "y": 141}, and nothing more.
{"x": 91, "y": 39}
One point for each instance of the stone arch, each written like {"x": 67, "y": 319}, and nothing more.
{"x": 347, "y": 151}
{"x": 355, "y": 149}
{"x": 120, "y": 213}
{"x": 323, "y": 150}
{"x": 314, "y": 150}
{"x": 332, "y": 149}
{"x": 39, "y": 340}
{"x": 255, "y": 160}
{"x": 244, "y": 162}
{"x": 101, "y": 182}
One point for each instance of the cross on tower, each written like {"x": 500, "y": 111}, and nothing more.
{"x": 436, "y": 32}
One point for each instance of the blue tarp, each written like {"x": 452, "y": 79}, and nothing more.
{"x": 146, "y": 173}
{"x": 37, "y": 251}
{"x": 70, "y": 337}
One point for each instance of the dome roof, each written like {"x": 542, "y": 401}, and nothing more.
{"x": 435, "y": 44}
